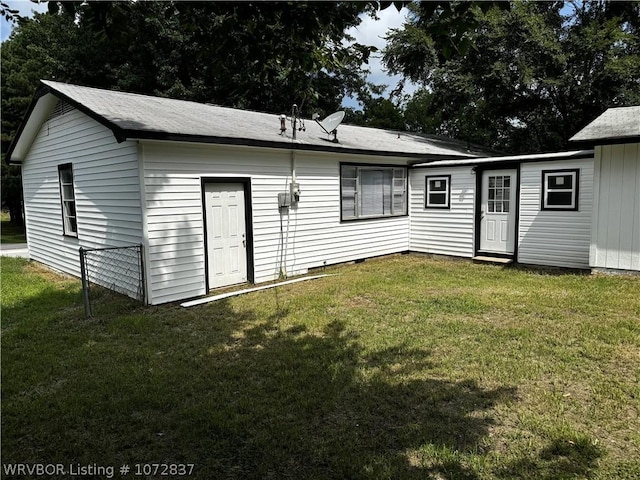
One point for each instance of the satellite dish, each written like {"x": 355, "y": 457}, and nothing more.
{"x": 330, "y": 124}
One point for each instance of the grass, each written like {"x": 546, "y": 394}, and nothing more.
{"x": 402, "y": 367}
{"x": 10, "y": 233}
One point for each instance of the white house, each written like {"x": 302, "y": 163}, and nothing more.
{"x": 218, "y": 196}
{"x": 200, "y": 187}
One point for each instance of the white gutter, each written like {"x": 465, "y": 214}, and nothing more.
{"x": 510, "y": 158}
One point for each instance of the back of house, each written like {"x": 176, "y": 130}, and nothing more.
{"x": 216, "y": 196}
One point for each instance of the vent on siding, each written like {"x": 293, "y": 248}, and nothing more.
{"x": 60, "y": 109}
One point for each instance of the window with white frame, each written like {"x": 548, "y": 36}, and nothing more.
{"x": 368, "y": 191}
{"x": 68, "y": 200}
{"x": 437, "y": 191}
{"x": 499, "y": 194}
{"x": 560, "y": 189}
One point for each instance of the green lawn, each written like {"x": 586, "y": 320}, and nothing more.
{"x": 10, "y": 233}
{"x": 403, "y": 367}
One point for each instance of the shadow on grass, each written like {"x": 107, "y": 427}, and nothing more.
{"x": 240, "y": 397}
{"x": 549, "y": 270}
{"x": 563, "y": 458}
{"x": 285, "y": 404}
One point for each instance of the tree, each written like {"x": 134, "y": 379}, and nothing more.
{"x": 259, "y": 55}
{"x": 417, "y": 112}
{"x": 533, "y": 74}
{"x": 38, "y": 51}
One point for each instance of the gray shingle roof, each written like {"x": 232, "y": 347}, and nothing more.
{"x": 141, "y": 116}
{"x": 621, "y": 123}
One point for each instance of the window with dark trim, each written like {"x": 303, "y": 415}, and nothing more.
{"x": 437, "y": 191}
{"x": 372, "y": 191}
{"x": 560, "y": 189}
{"x": 68, "y": 200}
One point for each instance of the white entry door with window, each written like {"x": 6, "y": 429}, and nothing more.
{"x": 226, "y": 234}
{"x": 498, "y": 211}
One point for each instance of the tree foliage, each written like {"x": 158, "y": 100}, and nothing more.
{"x": 529, "y": 75}
{"x": 258, "y": 55}
{"x": 254, "y": 55}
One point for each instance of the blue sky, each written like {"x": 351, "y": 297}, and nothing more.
{"x": 369, "y": 32}
{"x": 25, "y": 8}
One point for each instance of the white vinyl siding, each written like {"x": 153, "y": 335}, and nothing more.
{"x": 554, "y": 238}
{"x": 307, "y": 236}
{"x": 615, "y": 241}
{"x": 443, "y": 231}
{"x": 107, "y": 191}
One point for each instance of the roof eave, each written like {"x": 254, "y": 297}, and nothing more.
{"x": 594, "y": 142}
{"x": 133, "y": 134}
{"x": 37, "y": 113}
{"x": 20, "y": 143}
{"x": 117, "y": 131}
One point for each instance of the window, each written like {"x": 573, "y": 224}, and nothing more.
{"x": 438, "y": 191}
{"x": 68, "y": 199}
{"x": 499, "y": 194}
{"x": 372, "y": 191}
{"x": 560, "y": 189}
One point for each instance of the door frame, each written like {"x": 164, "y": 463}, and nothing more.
{"x": 479, "y": 171}
{"x": 248, "y": 220}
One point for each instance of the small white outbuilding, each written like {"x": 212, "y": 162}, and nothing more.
{"x": 578, "y": 209}
{"x": 615, "y": 224}
{"x": 531, "y": 209}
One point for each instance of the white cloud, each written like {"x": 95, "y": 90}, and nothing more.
{"x": 369, "y": 32}
{"x": 373, "y": 32}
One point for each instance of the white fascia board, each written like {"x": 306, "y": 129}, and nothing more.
{"x": 32, "y": 126}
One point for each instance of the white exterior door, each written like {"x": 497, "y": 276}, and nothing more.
{"x": 226, "y": 234}
{"x": 498, "y": 211}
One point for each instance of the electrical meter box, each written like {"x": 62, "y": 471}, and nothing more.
{"x": 295, "y": 192}
{"x": 284, "y": 200}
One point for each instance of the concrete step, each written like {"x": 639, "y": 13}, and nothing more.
{"x": 501, "y": 261}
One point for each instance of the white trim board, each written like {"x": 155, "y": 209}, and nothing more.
{"x": 574, "y": 154}
{"x": 214, "y": 298}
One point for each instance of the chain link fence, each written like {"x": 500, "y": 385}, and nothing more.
{"x": 116, "y": 269}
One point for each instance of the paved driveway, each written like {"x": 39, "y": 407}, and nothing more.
{"x": 14, "y": 250}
